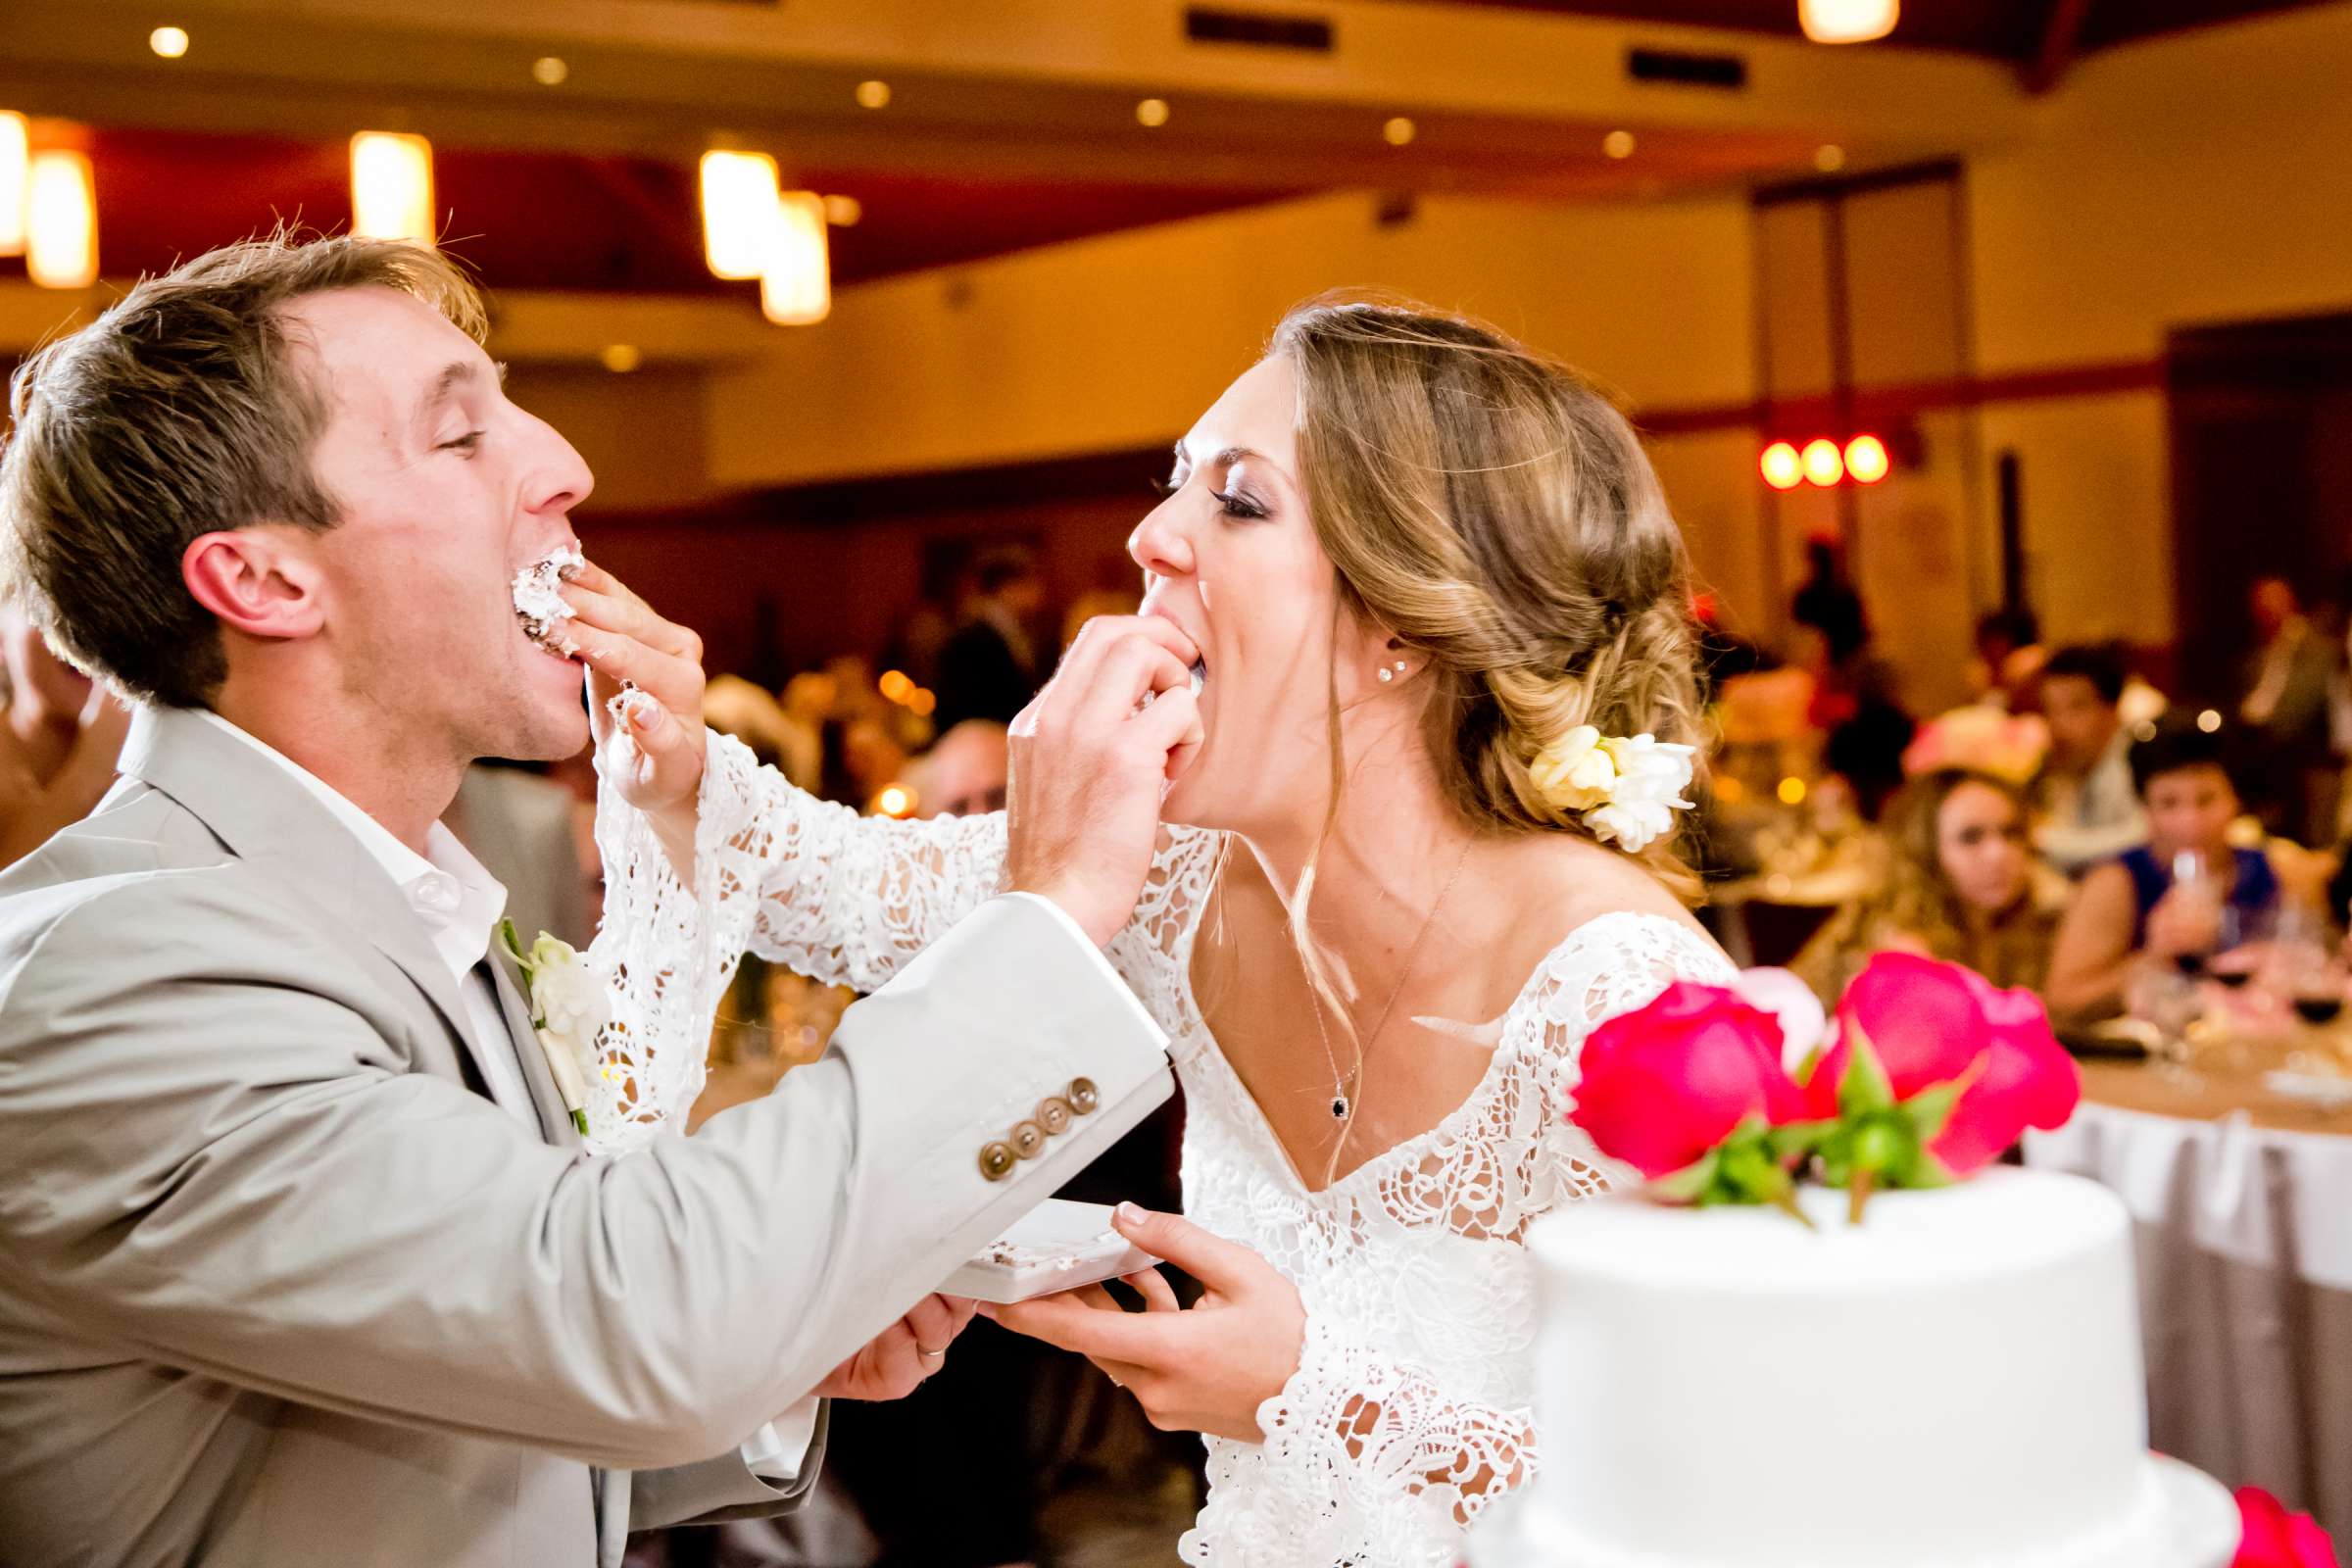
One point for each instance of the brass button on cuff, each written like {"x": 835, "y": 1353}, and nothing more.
{"x": 997, "y": 1161}
{"x": 1053, "y": 1115}
{"x": 1084, "y": 1098}
{"x": 1028, "y": 1140}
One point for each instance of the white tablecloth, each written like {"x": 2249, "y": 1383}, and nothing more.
{"x": 2244, "y": 1240}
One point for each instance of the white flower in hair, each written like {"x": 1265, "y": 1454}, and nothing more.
{"x": 1576, "y": 771}
{"x": 1627, "y": 790}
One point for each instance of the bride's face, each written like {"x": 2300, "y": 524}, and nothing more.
{"x": 1231, "y": 557}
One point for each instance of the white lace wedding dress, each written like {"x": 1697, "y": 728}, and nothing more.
{"x": 1410, "y": 1408}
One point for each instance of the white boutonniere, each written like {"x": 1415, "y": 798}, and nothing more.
{"x": 570, "y": 1009}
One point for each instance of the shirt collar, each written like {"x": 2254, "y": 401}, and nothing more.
{"x": 453, "y": 896}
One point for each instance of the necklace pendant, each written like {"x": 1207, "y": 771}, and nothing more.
{"x": 1338, "y": 1107}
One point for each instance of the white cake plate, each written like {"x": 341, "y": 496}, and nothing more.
{"x": 2189, "y": 1520}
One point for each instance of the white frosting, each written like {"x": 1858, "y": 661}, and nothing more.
{"x": 1954, "y": 1384}
{"x": 536, "y": 599}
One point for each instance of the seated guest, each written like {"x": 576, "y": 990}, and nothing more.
{"x": 2129, "y": 907}
{"x": 2089, "y": 813}
{"x": 1960, "y": 884}
{"x": 59, "y": 737}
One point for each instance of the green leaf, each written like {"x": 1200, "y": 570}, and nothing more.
{"x": 1866, "y": 1087}
{"x": 513, "y": 945}
{"x": 1690, "y": 1184}
{"x": 1798, "y": 1139}
{"x": 1930, "y": 1108}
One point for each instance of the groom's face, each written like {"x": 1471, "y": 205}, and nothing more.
{"x": 446, "y": 490}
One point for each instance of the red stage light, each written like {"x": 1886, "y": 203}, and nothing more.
{"x": 1783, "y": 468}
{"x": 1822, "y": 466}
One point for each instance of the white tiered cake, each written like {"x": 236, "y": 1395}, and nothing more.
{"x": 1954, "y": 1384}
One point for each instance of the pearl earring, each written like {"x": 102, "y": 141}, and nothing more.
{"x": 1389, "y": 672}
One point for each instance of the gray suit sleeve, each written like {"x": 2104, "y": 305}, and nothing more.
{"x": 214, "y": 1153}
{"x": 717, "y": 1491}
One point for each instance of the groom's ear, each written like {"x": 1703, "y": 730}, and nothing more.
{"x": 262, "y": 581}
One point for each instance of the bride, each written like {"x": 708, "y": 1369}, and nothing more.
{"x": 1399, "y": 883}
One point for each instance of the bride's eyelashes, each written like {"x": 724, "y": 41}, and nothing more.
{"x": 1235, "y": 504}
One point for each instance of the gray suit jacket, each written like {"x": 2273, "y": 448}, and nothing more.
{"x": 283, "y": 1287}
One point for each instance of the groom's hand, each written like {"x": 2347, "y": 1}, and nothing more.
{"x": 902, "y": 1355}
{"x": 1091, "y": 759}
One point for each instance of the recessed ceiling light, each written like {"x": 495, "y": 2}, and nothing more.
{"x": 169, "y": 42}
{"x": 1399, "y": 132}
{"x": 1618, "y": 144}
{"x": 843, "y": 211}
{"x": 873, "y": 94}
{"x": 1829, "y": 158}
{"x": 621, "y": 358}
{"x": 1151, "y": 112}
{"x": 548, "y": 71}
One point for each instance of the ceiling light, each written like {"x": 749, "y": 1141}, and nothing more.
{"x": 621, "y": 358}
{"x": 61, "y": 222}
{"x": 795, "y": 277}
{"x": 16, "y": 162}
{"x": 1866, "y": 460}
{"x": 739, "y": 209}
{"x": 1151, "y": 112}
{"x": 1829, "y": 158}
{"x": 169, "y": 42}
{"x": 550, "y": 71}
{"x": 1848, "y": 21}
{"x": 1824, "y": 465}
{"x": 392, "y": 186}
{"x": 873, "y": 94}
{"x": 1399, "y": 132}
{"x": 1783, "y": 468}
{"x": 843, "y": 212}
{"x": 1618, "y": 144}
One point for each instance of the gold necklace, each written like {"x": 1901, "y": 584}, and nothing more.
{"x": 1343, "y": 1106}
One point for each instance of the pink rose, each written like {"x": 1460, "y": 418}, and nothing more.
{"x": 1663, "y": 1085}
{"x": 1931, "y": 1022}
{"x": 2277, "y": 1538}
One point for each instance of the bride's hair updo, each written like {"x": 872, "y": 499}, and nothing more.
{"x": 1497, "y": 513}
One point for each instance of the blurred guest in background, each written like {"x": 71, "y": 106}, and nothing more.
{"x": 1867, "y": 741}
{"x": 964, "y": 774}
{"x": 2089, "y": 811}
{"x": 2287, "y": 706}
{"x": 2185, "y": 896}
{"x": 808, "y": 698}
{"x": 1828, "y": 603}
{"x": 988, "y": 668}
{"x": 735, "y": 707}
{"x": 2008, "y": 661}
{"x": 1960, "y": 884}
{"x": 59, "y": 743}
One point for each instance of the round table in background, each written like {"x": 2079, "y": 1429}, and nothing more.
{"x": 2241, "y": 1201}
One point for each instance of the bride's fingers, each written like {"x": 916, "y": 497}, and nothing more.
{"x": 1126, "y": 1374}
{"x": 1154, "y": 1287}
{"x": 1142, "y": 1338}
{"x": 629, "y": 615}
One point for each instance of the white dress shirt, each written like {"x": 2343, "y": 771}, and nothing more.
{"x": 459, "y": 904}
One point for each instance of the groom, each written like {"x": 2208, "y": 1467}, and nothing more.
{"x": 304, "y": 1261}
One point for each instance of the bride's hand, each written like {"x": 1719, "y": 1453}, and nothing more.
{"x": 1206, "y": 1370}
{"x": 658, "y": 766}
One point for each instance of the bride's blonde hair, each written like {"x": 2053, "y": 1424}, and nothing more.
{"x": 1497, "y": 515}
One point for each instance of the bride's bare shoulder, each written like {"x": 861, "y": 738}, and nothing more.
{"x": 1579, "y": 881}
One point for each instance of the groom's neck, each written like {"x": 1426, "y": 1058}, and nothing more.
{"x": 375, "y": 760}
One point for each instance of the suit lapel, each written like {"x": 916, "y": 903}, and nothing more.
{"x": 554, "y": 1121}
{"x": 263, "y": 815}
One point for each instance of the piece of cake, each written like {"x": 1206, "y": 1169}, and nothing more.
{"x": 537, "y": 603}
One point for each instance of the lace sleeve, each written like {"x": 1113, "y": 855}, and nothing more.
{"x": 840, "y": 896}
{"x": 1382, "y": 1461}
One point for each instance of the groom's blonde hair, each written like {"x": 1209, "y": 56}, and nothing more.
{"x": 178, "y": 413}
